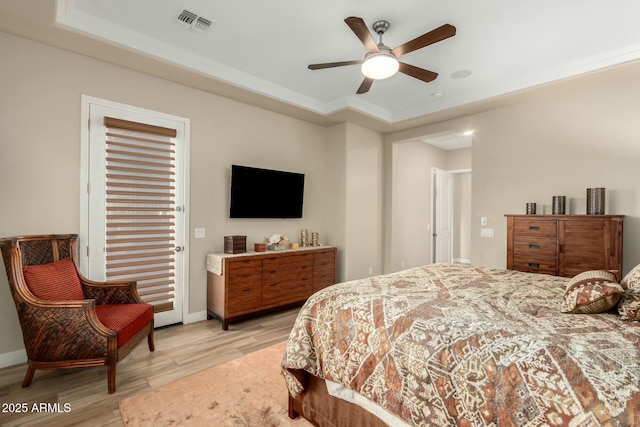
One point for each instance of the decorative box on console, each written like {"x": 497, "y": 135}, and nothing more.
{"x": 235, "y": 244}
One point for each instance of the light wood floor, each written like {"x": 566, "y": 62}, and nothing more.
{"x": 180, "y": 351}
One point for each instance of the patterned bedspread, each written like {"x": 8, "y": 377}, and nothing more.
{"x": 448, "y": 344}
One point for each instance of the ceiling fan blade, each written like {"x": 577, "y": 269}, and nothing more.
{"x": 365, "y": 86}
{"x": 334, "y": 64}
{"x": 434, "y": 36}
{"x": 417, "y": 72}
{"x": 360, "y": 29}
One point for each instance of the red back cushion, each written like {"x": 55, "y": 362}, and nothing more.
{"x": 57, "y": 281}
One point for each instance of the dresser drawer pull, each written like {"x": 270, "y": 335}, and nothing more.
{"x": 534, "y": 246}
{"x": 534, "y": 265}
{"x": 534, "y": 227}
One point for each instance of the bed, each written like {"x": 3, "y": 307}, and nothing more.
{"x": 451, "y": 344}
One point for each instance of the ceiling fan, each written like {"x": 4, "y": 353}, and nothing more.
{"x": 381, "y": 62}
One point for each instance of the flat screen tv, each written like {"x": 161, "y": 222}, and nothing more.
{"x": 265, "y": 193}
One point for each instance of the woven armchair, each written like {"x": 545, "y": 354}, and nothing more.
{"x": 67, "y": 320}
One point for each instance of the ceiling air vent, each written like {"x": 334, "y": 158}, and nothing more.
{"x": 201, "y": 25}
{"x": 187, "y": 18}
{"x": 194, "y": 22}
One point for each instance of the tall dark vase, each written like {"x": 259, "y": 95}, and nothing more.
{"x": 559, "y": 206}
{"x": 595, "y": 201}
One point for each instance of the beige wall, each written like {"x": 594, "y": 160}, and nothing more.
{"x": 336, "y": 199}
{"x": 364, "y": 219}
{"x": 462, "y": 217}
{"x": 354, "y": 187}
{"x": 460, "y": 160}
{"x": 554, "y": 145}
{"x": 409, "y": 195}
{"x": 40, "y": 163}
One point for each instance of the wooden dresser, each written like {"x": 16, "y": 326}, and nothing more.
{"x": 247, "y": 284}
{"x": 564, "y": 245}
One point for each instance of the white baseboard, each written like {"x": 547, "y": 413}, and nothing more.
{"x": 197, "y": 317}
{"x": 462, "y": 261}
{"x": 13, "y": 358}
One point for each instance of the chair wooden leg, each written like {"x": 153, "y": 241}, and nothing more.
{"x": 28, "y": 377}
{"x": 111, "y": 374}
{"x": 152, "y": 345}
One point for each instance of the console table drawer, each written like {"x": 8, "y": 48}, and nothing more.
{"x": 535, "y": 228}
{"x": 535, "y": 265}
{"x": 533, "y": 247}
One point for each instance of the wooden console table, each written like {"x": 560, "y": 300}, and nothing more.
{"x": 240, "y": 285}
{"x": 564, "y": 245}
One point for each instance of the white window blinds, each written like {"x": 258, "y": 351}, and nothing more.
{"x": 140, "y": 208}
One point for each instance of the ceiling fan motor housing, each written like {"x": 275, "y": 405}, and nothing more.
{"x": 380, "y": 27}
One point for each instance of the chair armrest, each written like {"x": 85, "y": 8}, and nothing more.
{"x": 64, "y": 330}
{"x": 114, "y": 292}
{"x": 111, "y": 292}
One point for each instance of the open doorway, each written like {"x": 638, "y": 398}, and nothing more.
{"x": 451, "y": 216}
{"x": 451, "y": 200}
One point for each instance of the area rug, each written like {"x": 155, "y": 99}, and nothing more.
{"x": 248, "y": 391}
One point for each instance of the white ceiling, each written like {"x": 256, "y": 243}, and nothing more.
{"x": 264, "y": 47}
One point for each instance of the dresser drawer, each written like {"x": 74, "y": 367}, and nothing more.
{"x": 535, "y": 228}
{"x": 242, "y": 266}
{"x": 279, "y": 293}
{"x": 243, "y": 300}
{"x": 282, "y": 277}
{"x": 245, "y": 281}
{"x": 324, "y": 280}
{"x": 535, "y": 265}
{"x": 287, "y": 262}
{"x": 324, "y": 258}
{"x": 534, "y": 247}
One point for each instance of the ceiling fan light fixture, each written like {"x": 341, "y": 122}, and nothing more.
{"x": 380, "y": 66}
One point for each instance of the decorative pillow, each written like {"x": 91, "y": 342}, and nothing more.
{"x": 629, "y": 305}
{"x": 593, "y": 291}
{"x": 632, "y": 279}
{"x": 57, "y": 281}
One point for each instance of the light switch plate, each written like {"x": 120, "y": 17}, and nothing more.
{"x": 486, "y": 232}
{"x": 483, "y": 220}
{"x": 199, "y": 233}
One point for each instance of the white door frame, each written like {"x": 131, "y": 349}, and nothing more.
{"x": 434, "y": 201}
{"x": 86, "y": 102}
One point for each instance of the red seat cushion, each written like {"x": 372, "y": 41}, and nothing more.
{"x": 125, "y": 319}
{"x": 57, "y": 281}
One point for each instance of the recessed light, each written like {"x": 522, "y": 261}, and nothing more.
{"x": 460, "y": 74}
{"x": 437, "y": 94}
{"x": 467, "y": 133}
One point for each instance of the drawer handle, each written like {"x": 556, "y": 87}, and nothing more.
{"x": 534, "y": 246}
{"x": 534, "y": 265}
{"x": 534, "y": 227}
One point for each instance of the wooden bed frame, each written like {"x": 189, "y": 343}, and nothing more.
{"x": 318, "y": 407}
